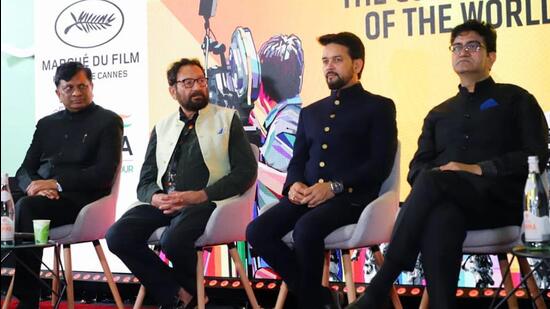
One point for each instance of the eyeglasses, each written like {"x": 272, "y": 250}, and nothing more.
{"x": 190, "y": 82}
{"x": 470, "y": 47}
{"x": 69, "y": 89}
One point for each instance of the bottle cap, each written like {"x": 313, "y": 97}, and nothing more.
{"x": 533, "y": 162}
{"x": 5, "y": 196}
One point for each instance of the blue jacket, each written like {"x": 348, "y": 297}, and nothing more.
{"x": 351, "y": 137}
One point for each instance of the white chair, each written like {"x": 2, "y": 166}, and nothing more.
{"x": 90, "y": 225}
{"x": 373, "y": 228}
{"x": 497, "y": 241}
{"x": 226, "y": 225}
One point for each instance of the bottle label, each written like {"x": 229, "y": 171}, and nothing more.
{"x": 537, "y": 229}
{"x": 545, "y": 177}
{"x": 6, "y": 196}
{"x": 8, "y": 229}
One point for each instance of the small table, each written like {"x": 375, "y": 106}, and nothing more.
{"x": 22, "y": 242}
{"x": 543, "y": 256}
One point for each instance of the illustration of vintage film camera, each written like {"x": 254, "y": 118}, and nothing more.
{"x": 234, "y": 83}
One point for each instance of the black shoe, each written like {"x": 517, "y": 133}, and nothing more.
{"x": 357, "y": 304}
{"x": 170, "y": 306}
{"x": 192, "y": 304}
{"x": 177, "y": 304}
{"x": 365, "y": 302}
{"x": 334, "y": 302}
{"x": 27, "y": 304}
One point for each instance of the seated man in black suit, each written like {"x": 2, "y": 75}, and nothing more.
{"x": 344, "y": 150}
{"x": 71, "y": 162}
{"x": 468, "y": 172}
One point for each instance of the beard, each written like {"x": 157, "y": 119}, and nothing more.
{"x": 336, "y": 83}
{"x": 195, "y": 102}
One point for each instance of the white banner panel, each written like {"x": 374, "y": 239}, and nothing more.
{"x": 110, "y": 37}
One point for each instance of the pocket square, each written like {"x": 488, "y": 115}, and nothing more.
{"x": 488, "y": 104}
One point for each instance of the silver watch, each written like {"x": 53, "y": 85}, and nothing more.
{"x": 336, "y": 187}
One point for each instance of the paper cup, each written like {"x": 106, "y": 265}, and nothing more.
{"x": 41, "y": 231}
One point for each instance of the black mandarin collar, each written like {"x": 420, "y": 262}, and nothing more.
{"x": 348, "y": 92}
{"x": 86, "y": 111}
{"x": 480, "y": 87}
{"x": 184, "y": 118}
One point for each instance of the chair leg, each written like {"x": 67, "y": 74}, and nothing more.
{"x": 69, "y": 275}
{"x": 379, "y": 260}
{"x": 55, "y": 280}
{"x": 108, "y": 274}
{"x": 200, "y": 281}
{"x": 281, "y": 297}
{"x": 508, "y": 285}
{"x": 140, "y": 297}
{"x": 244, "y": 278}
{"x": 348, "y": 271}
{"x": 525, "y": 268}
{"x": 9, "y": 294}
{"x": 425, "y": 301}
{"x": 326, "y": 269}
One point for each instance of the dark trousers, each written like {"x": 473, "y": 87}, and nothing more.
{"x": 59, "y": 212}
{"x": 127, "y": 238}
{"x": 433, "y": 221}
{"x": 302, "y": 266}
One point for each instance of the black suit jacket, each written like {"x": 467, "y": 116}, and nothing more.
{"x": 350, "y": 136}
{"x": 80, "y": 150}
{"x": 497, "y": 127}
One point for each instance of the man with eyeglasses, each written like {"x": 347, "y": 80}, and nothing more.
{"x": 70, "y": 163}
{"x": 204, "y": 148}
{"x": 468, "y": 172}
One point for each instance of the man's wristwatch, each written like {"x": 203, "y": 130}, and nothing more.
{"x": 336, "y": 187}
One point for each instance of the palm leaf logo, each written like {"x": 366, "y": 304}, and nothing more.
{"x": 89, "y": 22}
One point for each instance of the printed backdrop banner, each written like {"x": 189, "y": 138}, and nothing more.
{"x": 407, "y": 59}
{"x": 110, "y": 38}
{"x": 406, "y": 42}
{"x": 130, "y": 44}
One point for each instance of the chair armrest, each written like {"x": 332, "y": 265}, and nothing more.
{"x": 93, "y": 221}
{"x": 271, "y": 178}
{"x": 376, "y": 221}
{"x": 229, "y": 220}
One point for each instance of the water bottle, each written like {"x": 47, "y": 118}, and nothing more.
{"x": 8, "y": 213}
{"x": 536, "y": 222}
{"x": 546, "y": 179}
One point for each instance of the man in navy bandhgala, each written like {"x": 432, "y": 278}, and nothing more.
{"x": 344, "y": 150}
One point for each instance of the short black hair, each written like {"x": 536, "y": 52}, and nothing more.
{"x": 172, "y": 73}
{"x": 67, "y": 70}
{"x": 485, "y": 30}
{"x": 282, "y": 61}
{"x": 356, "y": 49}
